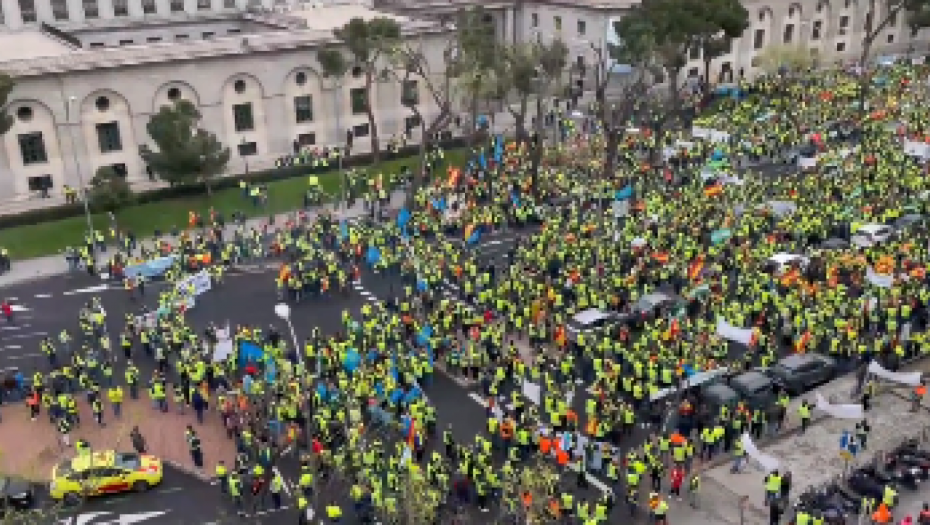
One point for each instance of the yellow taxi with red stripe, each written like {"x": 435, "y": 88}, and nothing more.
{"x": 104, "y": 472}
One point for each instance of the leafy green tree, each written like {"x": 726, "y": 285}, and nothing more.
{"x": 186, "y": 153}
{"x": 514, "y": 74}
{"x": 413, "y": 71}
{"x": 368, "y": 42}
{"x": 636, "y": 49}
{"x": 712, "y": 47}
{"x": 918, "y": 17}
{"x": 478, "y": 50}
{"x": 551, "y": 61}
{"x": 108, "y": 191}
{"x": 6, "y": 86}
{"x": 678, "y": 25}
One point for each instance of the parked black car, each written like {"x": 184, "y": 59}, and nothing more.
{"x": 15, "y": 494}
{"x": 798, "y": 373}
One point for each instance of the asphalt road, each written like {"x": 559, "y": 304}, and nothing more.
{"x": 248, "y": 295}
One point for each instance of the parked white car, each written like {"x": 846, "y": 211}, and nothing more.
{"x": 871, "y": 234}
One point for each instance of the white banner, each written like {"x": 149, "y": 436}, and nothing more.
{"x": 769, "y": 463}
{"x": 916, "y": 149}
{"x": 877, "y": 279}
{"x": 531, "y": 391}
{"x": 701, "y": 133}
{"x": 728, "y": 331}
{"x": 807, "y": 162}
{"x": 201, "y": 282}
{"x": 905, "y": 378}
{"x": 844, "y": 411}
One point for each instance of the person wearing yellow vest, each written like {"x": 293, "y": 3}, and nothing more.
{"x": 772, "y": 487}
{"x": 334, "y": 513}
{"x": 660, "y": 512}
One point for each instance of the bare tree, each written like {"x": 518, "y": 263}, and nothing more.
{"x": 412, "y": 69}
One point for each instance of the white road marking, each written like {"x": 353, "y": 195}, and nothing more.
{"x": 287, "y": 488}
{"x": 270, "y": 511}
{"x": 43, "y": 295}
{"x": 25, "y": 336}
{"x": 12, "y": 298}
{"x": 365, "y": 292}
{"x": 18, "y": 308}
{"x": 20, "y": 357}
{"x": 13, "y": 347}
{"x": 169, "y": 490}
{"x": 91, "y": 289}
{"x": 492, "y": 243}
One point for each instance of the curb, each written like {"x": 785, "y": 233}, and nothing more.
{"x": 190, "y": 471}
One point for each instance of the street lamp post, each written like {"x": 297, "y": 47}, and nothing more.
{"x": 77, "y": 167}
{"x": 283, "y": 310}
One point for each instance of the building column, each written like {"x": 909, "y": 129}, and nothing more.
{"x": 12, "y": 16}
{"x": 508, "y": 26}
{"x": 162, "y": 7}
{"x": 106, "y": 10}
{"x": 75, "y": 10}
{"x": 44, "y": 11}
{"x": 135, "y": 9}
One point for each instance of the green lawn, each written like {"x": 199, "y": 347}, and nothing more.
{"x": 52, "y": 237}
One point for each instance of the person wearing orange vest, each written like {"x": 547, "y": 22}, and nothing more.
{"x": 33, "y": 402}
{"x": 917, "y": 396}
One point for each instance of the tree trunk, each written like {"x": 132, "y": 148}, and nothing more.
{"x": 473, "y": 132}
{"x": 673, "y": 74}
{"x": 610, "y": 152}
{"x": 208, "y": 186}
{"x": 705, "y": 89}
{"x": 520, "y": 118}
{"x": 540, "y": 146}
{"x": 372, "y": 125}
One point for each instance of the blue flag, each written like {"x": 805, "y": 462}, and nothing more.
{"x": 403, "y": 217}
{"x": 515, "y": 198}
{"x": 475, "y": 235}
{"x": 344, "y": 229}
{"x": 499, "y": 149}
{"x": 625, "y": 193}
{"x": 373, "y": 256}
{"x": 483, "y": 161}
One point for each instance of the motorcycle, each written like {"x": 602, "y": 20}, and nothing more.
{"x": 864, "y": 485}
{"x": 918, "y": 465}
{"x": 826, "y": 500}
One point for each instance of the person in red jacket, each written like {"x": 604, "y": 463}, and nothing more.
{"x": 678, "y": 477}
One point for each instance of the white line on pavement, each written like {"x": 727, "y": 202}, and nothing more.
{"x": 25, "y": 336}
{"x": 12, "y": 298}
{"x": 169, "y": 490}
{"x": 13, "y": 347}
{"x": 270, "y": 511}
{"x": 19, "y": 357}
{"x": 287, "y": 488}
{"x": 364, "y": 292}
{"x": 43, "y": 295}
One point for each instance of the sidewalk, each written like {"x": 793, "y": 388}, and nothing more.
{"x": 29, "y": 449}
{"x": 54, "y": 265}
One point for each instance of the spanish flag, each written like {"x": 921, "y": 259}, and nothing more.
{"x": 561, "y": 338}
{"x": 712, "y": 191}
{"x": 285, "y": 272}
{"x": 454, "y": 175}
{"x": 694, "y": 269}
{"x": 801, "y": 345}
